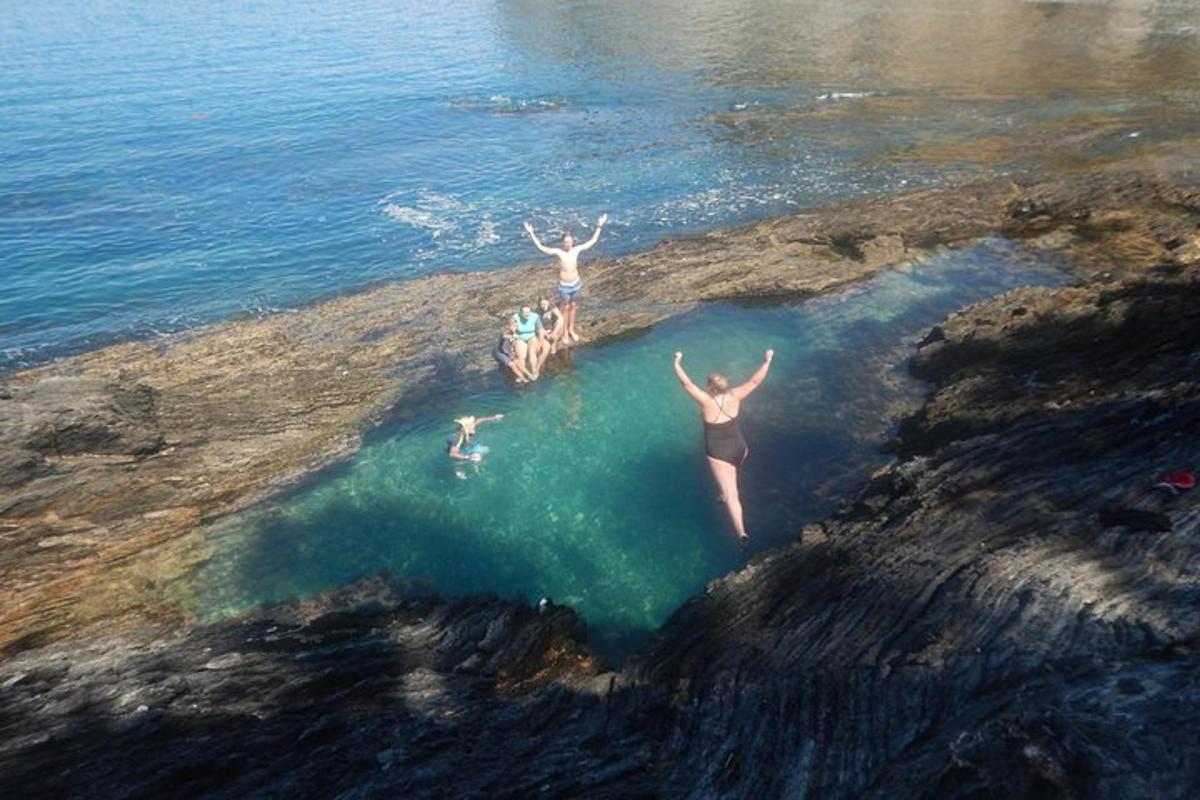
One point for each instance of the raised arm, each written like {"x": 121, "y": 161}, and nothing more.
{"x": 692, "y": 389}
{"x": 550, "y": 251}
{"x": 595, "y": 234}
{"x": 760, "y": 374}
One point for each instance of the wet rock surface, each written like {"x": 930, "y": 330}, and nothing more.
{"x": 62, "y": 417}
{"x": 1010, "y": 609}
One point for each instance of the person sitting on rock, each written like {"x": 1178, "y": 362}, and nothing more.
{"x": 569, "y": 284}
{"x": 461, "y": 445}
{"x": 554, "y": 327}
{"x": 529, "y": 339}
{"x": 506, "y": 355}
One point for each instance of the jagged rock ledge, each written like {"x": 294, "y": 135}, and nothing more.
{"x": 1011, "y": 609}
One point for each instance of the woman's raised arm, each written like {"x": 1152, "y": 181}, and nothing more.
{"x": 760, "y": 374}
{"x": 692, "y": 389}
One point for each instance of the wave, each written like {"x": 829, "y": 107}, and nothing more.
{"x": 833, "y": 96}
{"x": 503, "y": 104}
{"x": 457, "y": 225}
{"x": 428, "y": 210}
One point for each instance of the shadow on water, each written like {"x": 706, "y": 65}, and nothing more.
{"x": 595, "y": 492}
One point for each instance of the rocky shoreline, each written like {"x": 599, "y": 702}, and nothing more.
{"x": 1007, "y": 610}
{"x": 112, "y": 461}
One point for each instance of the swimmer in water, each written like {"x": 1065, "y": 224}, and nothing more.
{"x": 461, "y": 445}
{"x": 569, "y": 284}
{"x": 724, "y": 445}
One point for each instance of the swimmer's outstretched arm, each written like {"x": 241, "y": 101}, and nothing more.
{"x": 550, "y": 251}
{"x": 595, "y": 234}
{"x": 689, "y": 387}
{"x": 492, "y": 418}
{"x": 758, "y": 377}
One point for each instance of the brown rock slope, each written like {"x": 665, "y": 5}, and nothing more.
{"x": 1010, "y": 610}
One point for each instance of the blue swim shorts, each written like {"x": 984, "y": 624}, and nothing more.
{"x": 569, "y": 292}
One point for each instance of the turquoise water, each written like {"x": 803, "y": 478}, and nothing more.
{"x": 596, "y": 492}
{"x": 164, "y": 164}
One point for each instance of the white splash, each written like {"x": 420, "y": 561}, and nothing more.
{"x": 845, "y": 95}
{"x": 429, "y": 211}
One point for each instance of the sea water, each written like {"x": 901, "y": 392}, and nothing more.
{"x": 595, "y": 492}
{"x": 165, "y": 164}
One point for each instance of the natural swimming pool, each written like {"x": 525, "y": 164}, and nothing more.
{"x": 595, "y": 492}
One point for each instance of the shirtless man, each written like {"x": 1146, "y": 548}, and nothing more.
{"x": 569, "y": 284}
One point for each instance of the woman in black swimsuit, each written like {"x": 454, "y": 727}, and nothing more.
{"x": 723, "y": 442}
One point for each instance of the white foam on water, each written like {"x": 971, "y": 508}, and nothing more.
{"x": 504, "y": 104}
{"x": 846, "y": 95}
{"x": 488, "y": 233}
{"x": 428, "y": 210}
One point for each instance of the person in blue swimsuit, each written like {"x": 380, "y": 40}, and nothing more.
{"x": 505, "y": 353}
{"x": 529, "y": 340}
{"x": 570, "y": 285}
{"x": 461, "y": 444}
{"x": 724, "y": 445}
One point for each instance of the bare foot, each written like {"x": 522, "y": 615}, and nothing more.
{"x": 574, "y": 336}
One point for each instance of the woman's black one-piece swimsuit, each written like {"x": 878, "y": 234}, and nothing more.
{"x": 724, "y": 442}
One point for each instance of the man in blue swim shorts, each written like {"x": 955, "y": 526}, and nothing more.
{"x": 569, "y": 283}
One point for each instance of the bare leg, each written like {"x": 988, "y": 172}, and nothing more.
{"x": 545, "y": 348}
{"x": 523, "y": 358}
{"x": 726, "y": 477}
{"x": 574, "y": 307}
{"x": 519, "y": 371}
{"x": 535, "y": 356}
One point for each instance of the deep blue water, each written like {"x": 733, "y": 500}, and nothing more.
{"x": 163, "y": 164}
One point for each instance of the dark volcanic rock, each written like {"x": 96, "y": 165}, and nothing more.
{"x": 396, "y": 697}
